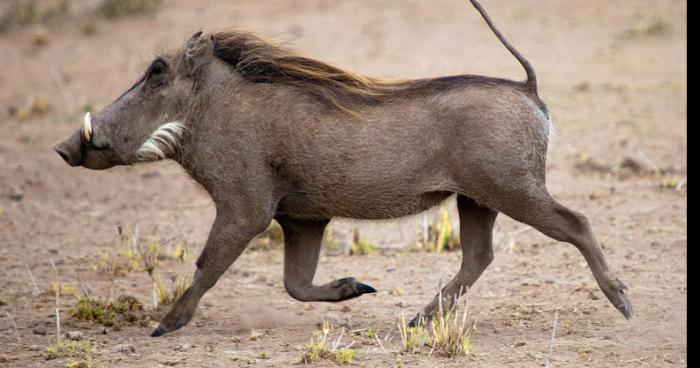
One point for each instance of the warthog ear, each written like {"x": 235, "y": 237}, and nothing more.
{"x": 199, "y": 50}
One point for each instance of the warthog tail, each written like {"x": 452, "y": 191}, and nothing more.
{"x": 531, "y": 82}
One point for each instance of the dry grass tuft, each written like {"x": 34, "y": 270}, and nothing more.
{"x": 6, "y": 298}
{"x": 69, "y": 349}
{"x": 162, "y": 295}
{"x": 655, "y": 28}
{"x": 114, "y": 9}
{"x": 123, "y": 311}
{"x": 360, "y": 246}
{"x": 271, "y": 238}
{"x": 322, "y": 347}
{"x": 448, "y": 333}
{"x": 25, "y": 12}
{"x": 134, "y": 257}
{"x": 439, "y": 237}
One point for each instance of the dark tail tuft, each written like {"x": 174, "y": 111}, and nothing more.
{"x": 531, "y": 82}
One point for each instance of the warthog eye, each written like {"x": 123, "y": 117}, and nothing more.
{"x": 157, "y": 73}
{"x": 158, "y": 67}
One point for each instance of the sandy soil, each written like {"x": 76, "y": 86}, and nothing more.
{"x": 614, "y": 79}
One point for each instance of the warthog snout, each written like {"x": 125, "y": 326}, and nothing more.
{"x": 85, "y": 149}
{"x": 71, "y": 149}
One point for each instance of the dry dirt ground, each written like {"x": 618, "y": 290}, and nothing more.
{"x": 613, "y": 76}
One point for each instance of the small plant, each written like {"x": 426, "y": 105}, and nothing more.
{"x": 451, "y": 336}
{"x": 125, "y": 310}
{"x": 413, "y": 338}
{"x": 360, "y": 246}
{"x": 36, "y": 105}
{"x": 133, "y": 256}
{"x": 82, "y": 363}
{"x": 371, "y": 333}
{"x": 651, "y": 29}
{"x": 320, "y": 347}
{"x": 6, "y": 298}
{"x": 164, "y": 295}
{"x": 439, "y": 236}
{"x": 329, "y": 241}
{"x": 66, "y": 289}
{"x": 448, "y": 333}
{"x": 667, "y": 182}
{"x": 272, "y": 237}
{"x": 121, "y": 8}
{"x": 68, "y": 349}
{"x": 25, "y": 12}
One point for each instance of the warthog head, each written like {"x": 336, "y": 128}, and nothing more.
{"x": 148, "y": 121}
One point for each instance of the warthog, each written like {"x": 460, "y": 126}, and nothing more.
{"x": 273, "y": 135}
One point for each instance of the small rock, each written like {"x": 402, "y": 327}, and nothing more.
{"x": 15, "y": 194}
{"x": 35, "y": 347}
{"x": 103, "y": 330}
{"x": 124, "y": 348}
{"x": 39, "y": 331}
{"x": 345, "y": 309}
{"x": 263, "y": 355}
{"x": 256, "y": 334}
{"x": 74, "y": 335}
{"x": 633, "y": 164}
{"x": 183, "y": 347}
{"x": 41, "y": 37}
{"x": 519, "y": 343}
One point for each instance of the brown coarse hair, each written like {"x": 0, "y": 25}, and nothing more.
{"x": 261, "y": 61}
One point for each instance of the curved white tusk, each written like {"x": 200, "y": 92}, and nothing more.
{"x": 86, "y": 132}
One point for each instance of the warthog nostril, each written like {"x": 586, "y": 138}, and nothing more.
{"x": 63, "y": 155}
{"x": 70, "y": 151}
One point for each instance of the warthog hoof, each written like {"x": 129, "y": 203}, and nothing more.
{"x": 419, "y": 318}
{"x": 619, "y": 299}
{"x": 178, "y": 316}
{"x": 158, "y": 331}
{"x": 356, "y": 288}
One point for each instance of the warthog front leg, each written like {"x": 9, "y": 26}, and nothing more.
{"x": 302, "y": 245}
{"x": 229, "y": 236}
{"x": 475, "y": 227}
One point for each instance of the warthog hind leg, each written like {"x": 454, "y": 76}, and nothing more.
{"x": 302, "y": 245}
{"x": 475, "y": 226}
{"x": 539, "y": 210}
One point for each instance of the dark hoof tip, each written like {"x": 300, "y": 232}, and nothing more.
{"x": 626, "y": 309}
{"x": 364, "y": 288}
{"x": 158, "y": 331}
{"x": 417, "y": 320}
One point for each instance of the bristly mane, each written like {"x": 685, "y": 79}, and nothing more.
{"x": 261, "y": 61}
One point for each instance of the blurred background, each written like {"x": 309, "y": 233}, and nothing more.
{"x": 612, "y": 74}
